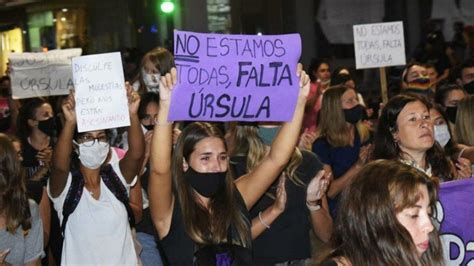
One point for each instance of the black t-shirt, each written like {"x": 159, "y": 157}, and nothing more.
{"x": 30, "y": 162}
{"x": 288, "y": 236}
{"x": 178, "y": 248}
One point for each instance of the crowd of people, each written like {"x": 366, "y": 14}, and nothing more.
{"x": 197, "y": 193}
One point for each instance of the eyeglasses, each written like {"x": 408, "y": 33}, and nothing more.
{"x": 89, "y": 141}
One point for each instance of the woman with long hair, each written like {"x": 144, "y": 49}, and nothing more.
{"x": 405, "y": 133}
{"x": 343, "y": 145}
{"x": 281, "y": 234}
{"x": 91, "y": 192}
{"x": 21, "y": 229}
{"x": 385, "y": 219}
{"x": 464, "y": 121}
{"x": 35, "y": 129}
{"x": 465, "y": 127}
{"x": 203, "y": 217}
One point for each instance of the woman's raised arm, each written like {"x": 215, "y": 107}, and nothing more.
{"x": 160, "y": 183}
{"x": 252, "y": 185}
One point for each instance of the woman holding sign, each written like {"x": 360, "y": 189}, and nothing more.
{"x": 91, "y": 196}
{"x": 204, "y": 217}
{"x": 385, "y": 219}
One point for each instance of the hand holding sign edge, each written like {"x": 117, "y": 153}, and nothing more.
{"x": 304, "y": 82}
{"x": 167, "y": 84}
{"x": 133, "y": 99}
{"x": 68, "y": 108}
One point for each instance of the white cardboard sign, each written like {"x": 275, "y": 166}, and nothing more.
{"x": 42, "y": 74}
{"x": 379, "y": 45}
{"x": 101, "y": 100}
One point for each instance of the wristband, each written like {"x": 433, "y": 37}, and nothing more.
{"x": 261, "y": 220}
{"x": 313, "y": 207}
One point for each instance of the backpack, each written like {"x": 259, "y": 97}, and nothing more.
{"x": 110, "y": 179}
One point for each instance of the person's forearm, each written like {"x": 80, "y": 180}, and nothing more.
{"x": 286, "y": 140}
{"x": 322, "y": 222}
{"x": 337, "y": 185}
{"x": 135, "y": 139}
{"x": 263, "y": 221}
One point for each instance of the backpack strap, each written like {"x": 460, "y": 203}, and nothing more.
{"x": 73, "y": 197}
{"x": 113, "y": 183}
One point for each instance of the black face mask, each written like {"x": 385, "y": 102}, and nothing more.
{"x": 47, "y": 126}
{"x": 149, "y": 127}
{"x": 451, "y": 111}
{"x": 206, "y": 184}
{"x": 469, "y": 87}
{"x": 354, "y": 114}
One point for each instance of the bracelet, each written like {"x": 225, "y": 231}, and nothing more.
{"x": 261, "y": 220}
{"x": 461, "y": 152}
{"x": 313, "y": 207}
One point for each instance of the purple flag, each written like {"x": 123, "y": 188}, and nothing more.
{"x": 455, "y": 211}
{"x": 235, "y": 77}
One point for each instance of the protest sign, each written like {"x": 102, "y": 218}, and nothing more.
{"x": 101, "y": 100}
{"x": 235, "y": 77}
{"x": 455, "y": 212}
{"x": 42, "y": 74}
{"x": 379, "y": 45}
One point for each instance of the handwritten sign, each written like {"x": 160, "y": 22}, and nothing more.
{"x": 235, "y": 77}
{"x": 455, "y": 213}
{"x": 101, "y": 100}
{"x": 42, "y": 74}
{"x": 379, "y": 45}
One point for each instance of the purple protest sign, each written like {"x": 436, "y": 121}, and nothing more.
{"x": 235, "y": 77}
{"x": 455, "y": 211}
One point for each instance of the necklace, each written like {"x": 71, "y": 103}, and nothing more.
{"x": 413, "y": 163}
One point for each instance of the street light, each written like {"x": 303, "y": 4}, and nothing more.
{"x": 167, "y": 7}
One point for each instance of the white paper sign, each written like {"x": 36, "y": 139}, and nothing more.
{"x": 101, "y": 100}
{"x": 379, "y": 45}
{"x": 42, "y": 74}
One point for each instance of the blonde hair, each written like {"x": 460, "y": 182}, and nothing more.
{"x": 248, "y": 143}
{"x": 464, "y": 121}
{"x": 332, "y": 123}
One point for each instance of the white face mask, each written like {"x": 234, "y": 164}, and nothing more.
{"x": 93, "y": 154}
{"x": 441, "y": 133}
{"x": 152, "y": 81}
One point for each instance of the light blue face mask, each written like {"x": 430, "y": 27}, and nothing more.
{"x": 268, "y": 134}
